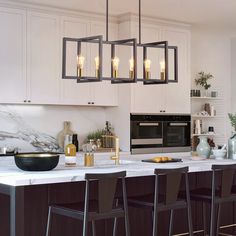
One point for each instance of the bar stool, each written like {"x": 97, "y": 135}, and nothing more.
{"x": 169, "y": 201}
{"x": 104, "y": 208}
{"x": 219, "y": 193}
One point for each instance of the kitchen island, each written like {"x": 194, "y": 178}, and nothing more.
{"x": 25, "y": 196}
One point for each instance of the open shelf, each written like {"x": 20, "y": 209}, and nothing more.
{"x": 207, "y": 117}
{"x": 205, "y": 98}
{"x": 196, "y": 135}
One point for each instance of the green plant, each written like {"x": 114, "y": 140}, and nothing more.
{"x": 202, "y": 79}
{"x": 232, "y": 118}
{"x": 95, "y": 135}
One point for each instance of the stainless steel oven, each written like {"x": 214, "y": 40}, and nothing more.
{"x": 160, "y": 133}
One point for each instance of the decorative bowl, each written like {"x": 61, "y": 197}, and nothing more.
{"x": 219, "y": 154}
{"x": 36, "y": 161}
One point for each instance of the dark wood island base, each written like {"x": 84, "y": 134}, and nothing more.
{"x": 23, "y": 210}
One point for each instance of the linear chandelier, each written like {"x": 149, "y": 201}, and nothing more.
{"x": 131, "y": 45}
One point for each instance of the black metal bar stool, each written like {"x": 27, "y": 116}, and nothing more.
{"x": 169, "y": 201}
{"x": 104, "y": 208}
{"x": 220, "y": 192}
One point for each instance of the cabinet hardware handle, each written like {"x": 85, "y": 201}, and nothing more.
{"x": 29, "y": 100}
{"x": 89, "y": 102}
{"x": 24, "y": 100}
{"x": 93, "y": 103}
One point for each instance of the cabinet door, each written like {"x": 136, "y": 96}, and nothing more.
{"x": 43, "y": 58}
{"x": 147, "y": 98}
{"x": 74, "y": 93}
{"x": 12, "y": 56}
{"x": 177, "y": 94}
{"x": 103, "y": 93}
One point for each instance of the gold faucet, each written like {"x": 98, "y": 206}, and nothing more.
{"x": 116, "y": 158}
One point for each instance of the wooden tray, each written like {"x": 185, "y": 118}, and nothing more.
{"x": 173, "y": 160}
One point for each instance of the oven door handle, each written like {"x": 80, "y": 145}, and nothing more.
{"x": 178, "y": 124}
{"x": 149, "y": 124}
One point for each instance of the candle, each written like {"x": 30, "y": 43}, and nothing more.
{"x": 131, "y": 68}
{"x": 147, "y": 66}
{"x": 115, "y": 64}
{"x": 163, "y": 66}
{"x": 80, "y": 64}
{"x": 96, "y": 66}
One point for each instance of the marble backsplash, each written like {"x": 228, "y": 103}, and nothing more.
{"x": 35, "y": 128}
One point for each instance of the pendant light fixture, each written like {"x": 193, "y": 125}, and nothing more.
{"x": 132, "y": 44}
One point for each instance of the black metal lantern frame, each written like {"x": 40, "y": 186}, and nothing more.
{"x": 128, "y": 42}
{"x": 82, "y": 79}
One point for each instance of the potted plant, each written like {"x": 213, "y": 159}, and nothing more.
{"x": 232, "y": 140}
{"x": 202, "y": 79}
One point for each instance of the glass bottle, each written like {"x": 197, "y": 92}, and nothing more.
{"x": 75, "y": 141}
{"x": 232, "y": 147}
{"x": 70, "y": 155}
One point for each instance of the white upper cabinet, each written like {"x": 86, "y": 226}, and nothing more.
{"x": 147, "y": 98}
{"x": 12, "y": 56}
{"x": 167, "y": 98}
{"x": 43, "y": 58}
{"x": 177, "y": 94}
{"x": 103, "y": 93}
{"x": 74, "y": 93}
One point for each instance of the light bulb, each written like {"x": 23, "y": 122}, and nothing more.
{"x": 115, "y": 64}
{"x": 131, "y": 68}
{"x": 80, "y": 61}
{"x": 96, "y": 62}
{"x": 147, "y": 67}
{"x": 80, "y": 65}
{"x": 163, "y": 66}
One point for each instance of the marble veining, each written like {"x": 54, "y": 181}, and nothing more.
{"x": 18, "y": 133}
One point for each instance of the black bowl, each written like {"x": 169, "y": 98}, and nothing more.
{"x": 36, "y": 161}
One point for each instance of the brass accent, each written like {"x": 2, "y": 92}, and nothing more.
{"x": 147, "y": 74}
{"x": 88, "y": 159}
{"x": 96, "y": 73}
{"x": 36, "y": 155}
{"x": 131, "y": 74}
{"x": 115, "y": 73}
{"x": 80, "y": 72}
{"x": 116, "y": 157}
{"x": 162, "y": 75}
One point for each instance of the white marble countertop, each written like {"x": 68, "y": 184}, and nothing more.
{"x": 11, "y": 175}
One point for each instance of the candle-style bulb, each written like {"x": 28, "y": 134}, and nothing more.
{"x": 162, "y": 66}
{"x": 131, "y": 68}
{"x": 96, "y": 66}
{"x": 147, "y": 66}
{"x": 80, "y": 64}
{"x": 115, "y": 64}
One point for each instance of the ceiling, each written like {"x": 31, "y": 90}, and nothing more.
{"x": 217, "y": 13}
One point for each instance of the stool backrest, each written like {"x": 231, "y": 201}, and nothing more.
{"x": 173, "y": 180}
{"x": 107, "y": 184}
{"x": 227, "y": 173}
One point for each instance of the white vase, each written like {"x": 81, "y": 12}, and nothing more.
{"x": 203, "y": 148}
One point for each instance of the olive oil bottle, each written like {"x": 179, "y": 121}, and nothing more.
{"x": 70, "y": 155}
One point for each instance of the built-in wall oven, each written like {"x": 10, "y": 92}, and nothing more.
{"x": 160, "y": 133}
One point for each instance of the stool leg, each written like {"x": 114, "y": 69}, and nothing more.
{"x": 171, "y": 222}
{"x": 190, "y": 223}
{"x": 114, "y": 227}
{"x": 93, "y": 227}
{"x": 212, "y": 228}
{"x": 204, "y": 218}
{"x": 218, "y": 220}
{"x": 49, "y": 221}
{"x": 85, "y": 226}
{"x": 155, "y": 216}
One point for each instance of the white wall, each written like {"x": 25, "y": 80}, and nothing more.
{"x": 211, "y": 52}
{"x": 233, "y": 75}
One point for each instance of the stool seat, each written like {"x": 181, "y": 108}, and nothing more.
{"x": 147, "y": 201}
{"x": 76, "y": 211}
{"x": 205, "y": 194}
